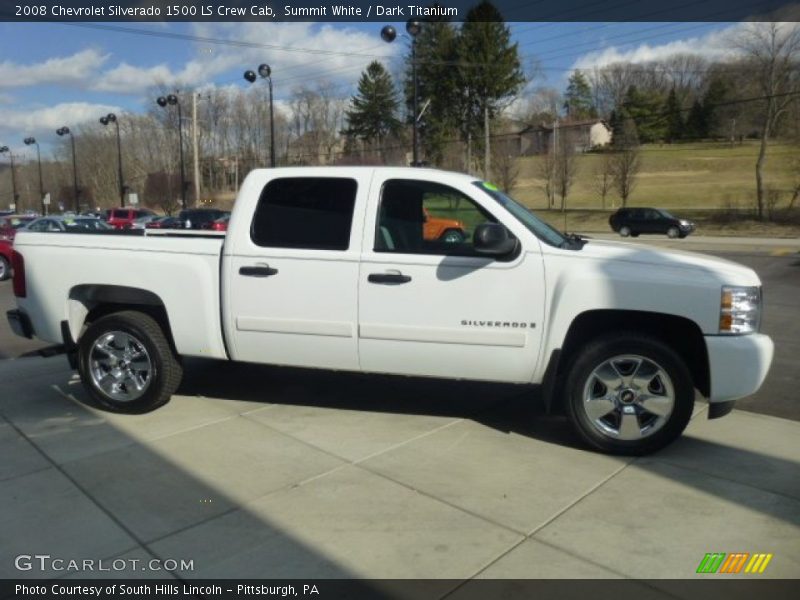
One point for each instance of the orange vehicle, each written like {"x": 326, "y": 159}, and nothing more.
{"x": 445, "y": 230}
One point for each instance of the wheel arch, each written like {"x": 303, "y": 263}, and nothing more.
{"x": 681, "y": 334}
{"x": 90, "y": 302}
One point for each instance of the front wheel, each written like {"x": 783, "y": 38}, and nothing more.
{"x": 5, "y": 269}
{"x": 127, "y": 364}
{"x": 673, "y": 232}
{"x": 629, "y": 394}
{"x": 625, "y": 231}
{"x": 452, "y": 236}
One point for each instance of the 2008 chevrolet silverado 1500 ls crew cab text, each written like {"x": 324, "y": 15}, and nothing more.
{"x": 329, "y": 267}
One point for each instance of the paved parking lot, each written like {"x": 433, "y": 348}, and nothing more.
{"x": 264, "y": 472}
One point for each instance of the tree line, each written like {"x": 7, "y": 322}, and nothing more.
{"x": 474, "y": 96}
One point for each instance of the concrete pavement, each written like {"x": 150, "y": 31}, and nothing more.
{"x": 264, "y": 472}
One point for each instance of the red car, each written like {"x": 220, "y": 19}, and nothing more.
{"x": 8, "y": 229}
{"x": 123, "y": 218}
{"x": 220, "y": 224}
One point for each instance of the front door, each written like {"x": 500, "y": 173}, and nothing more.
{"x": 430, "y": 305}
{"x": 291, "y": 292}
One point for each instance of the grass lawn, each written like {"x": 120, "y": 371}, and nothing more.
{"x": 701, "y": 175}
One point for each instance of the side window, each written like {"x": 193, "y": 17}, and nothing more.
{"x": 423, "y": 217}
{"x": 39, "y": 225}
{"x": 305, "y": 212}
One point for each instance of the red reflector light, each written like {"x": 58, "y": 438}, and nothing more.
{"x": 18, "y": 265}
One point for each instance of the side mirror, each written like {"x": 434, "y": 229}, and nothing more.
{"x": 493, "y": 239}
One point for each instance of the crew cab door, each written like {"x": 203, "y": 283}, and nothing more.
{"x": 434, "y": 306}
{"x": 291, "y": 276}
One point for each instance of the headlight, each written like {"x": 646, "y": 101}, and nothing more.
{"x": 740, "y": 309}
{"x": 685, "y": 223}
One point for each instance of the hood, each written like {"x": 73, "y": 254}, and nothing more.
{"x": 692, "y": 262}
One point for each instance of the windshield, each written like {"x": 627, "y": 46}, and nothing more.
{"x": 524, "y": 215}
{"x": 666, "y": 214}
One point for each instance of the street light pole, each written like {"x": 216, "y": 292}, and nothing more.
{"x": 28, "y": 141}
{"x": 112, "y": 118}
{"x": 65, "y": 131}
{"x": 389, "y": 34}
{"x": 15, "y": 196}
{"x": 265, "y": 71}
{"x": 172, "y": 100}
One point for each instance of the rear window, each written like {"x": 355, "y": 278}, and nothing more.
{"x": 305, "y": 212}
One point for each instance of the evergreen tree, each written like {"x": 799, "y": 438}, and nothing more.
{"x": 578, "y": 98}
{"x": 644, "y": 107}
{"x": 372, "y": 116}
{"x": 696, "y": 123}
{"x": 437, "y": 81}
{"x": 715, "y": 95}
{"x": 675, "y": 124}
{"x": 490, "y": 69}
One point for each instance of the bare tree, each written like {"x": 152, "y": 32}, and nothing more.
{"x": 603, "y": 180}
{"x": 504, "y": 167}
{"x": 773, "y": 53}
{"x": 626, "y": 161}
{"x": 546, "y": 174}
{"x": 566, "y": 166}
{"x": 625, "y": 165}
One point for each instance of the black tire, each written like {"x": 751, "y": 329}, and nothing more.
{"x": 663, "y": 429}
{"x": 673, "y": 233}
{"x": 452, "y": 236}
{"x": 5, "y": 269}
{"x": 164, "y": 369}
{"x": 625, "y": 231}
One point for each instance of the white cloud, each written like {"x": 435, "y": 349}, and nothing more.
{"x": 714, "y": 45}
{"x": 77, "y": 69}
{"x": 296, "y": 51}
{"x": 50, "y": 118}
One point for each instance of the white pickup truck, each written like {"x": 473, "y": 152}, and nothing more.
{"x": 341, "y": 268}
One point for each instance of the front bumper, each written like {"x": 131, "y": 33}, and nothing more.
{"x": 738, "y": 364}
{"x": 20, "y": 323}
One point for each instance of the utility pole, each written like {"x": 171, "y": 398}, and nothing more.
{"x": 486, "y": 149}
{"x": 553, "y": 162}
{"x": 195, "y": 150}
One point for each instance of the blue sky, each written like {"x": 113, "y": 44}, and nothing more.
{"x": 57, "y": 74}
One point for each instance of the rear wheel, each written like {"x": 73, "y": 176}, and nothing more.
{"x": 624, "y": 231}
{"x": 5, "y": 269}
{"x": 127, "y": 364}
{"x": 629, "y": 394}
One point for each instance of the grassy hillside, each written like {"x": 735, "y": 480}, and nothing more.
{"x": 702, "y": 176}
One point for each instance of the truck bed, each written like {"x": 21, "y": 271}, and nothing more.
{"x": 172, "y": 265}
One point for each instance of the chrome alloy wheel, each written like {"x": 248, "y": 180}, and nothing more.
{"x": 628, "y": 397}
{"x": 120, "y": 366}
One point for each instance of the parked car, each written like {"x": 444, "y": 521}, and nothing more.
{"x": 164, "y": 223}
{"x": 633, "y": 221}
{"x": 220, "y": 224}
{"x": 123, "y": 218}
{"x": 141, "y": 222}
{"x": 440, "y": 228}
{"x": 9, "y": 224}
{"x": 195, "y": 218}
{"x": 60, "y": 224}
{"x": 328, "y": 267}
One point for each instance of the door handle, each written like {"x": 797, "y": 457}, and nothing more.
{"x": 258, "y": 271}
{"x": 388, "y": 278}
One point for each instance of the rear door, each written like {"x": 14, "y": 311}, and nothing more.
{"x": 292, "y": 276}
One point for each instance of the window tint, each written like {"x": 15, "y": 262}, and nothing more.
{"x": 305, "y": 212}
{"x": 422, "y": 217}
